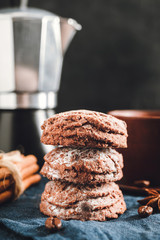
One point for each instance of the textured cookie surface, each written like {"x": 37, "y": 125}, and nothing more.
{"x": 84, "y": 128}
{"x": 79, "y": 177}
{"x": 67, "y": 194}
{"x": 105, "y": 160}
{"x": 89, "y": 208}
{"x": 82, "y": 213}
{"x": 83, "y": 165}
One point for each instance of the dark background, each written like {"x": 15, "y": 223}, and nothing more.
{"x": 114, "y": 62}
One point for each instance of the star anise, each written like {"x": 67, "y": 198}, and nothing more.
{"x": 153, "y": 200}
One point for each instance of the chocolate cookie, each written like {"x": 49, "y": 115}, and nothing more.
{"x": 67, "y": 194}
{"x": 83, "y": 165}
{"x": 74, "y": 176}
{"x": 84, "y": 128}
{"x": 104, "y": 160}
{"x": 82, "y": 213}
{"x": 99, "y": 209}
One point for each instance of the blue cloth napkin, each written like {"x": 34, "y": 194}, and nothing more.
{"x": 22, "y": 219}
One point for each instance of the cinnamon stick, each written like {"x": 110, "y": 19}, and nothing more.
{"x": 26, "y": 172}
{"x": 4, "y": 173}
{"x": 27, "y": 168}
{"x": 135, "y": 190}
{"x": 26, "y": 162}
{"x": 5, "y": 184}
{"x": 31, "y": 180}
{"x": 8, "y": 194}
{"x": 5, "y": 196}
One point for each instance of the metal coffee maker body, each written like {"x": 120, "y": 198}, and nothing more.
{"x": 32, "y": 46}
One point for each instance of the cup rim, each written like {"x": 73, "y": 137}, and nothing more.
{"x": 138, "y": 114}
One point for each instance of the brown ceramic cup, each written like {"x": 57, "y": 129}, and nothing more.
{"x": 142, "y": 157}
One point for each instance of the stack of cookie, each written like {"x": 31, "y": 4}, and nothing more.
{"x": 83, "y": 166}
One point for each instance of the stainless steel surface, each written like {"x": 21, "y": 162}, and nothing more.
{"x": 27, "y": 35}
{"x": 51, "y": 58}
{"x": 7, "y": 73}
{"x": 68, "y": 30}
{"x": 32, "y": 46}
{"x": 39, "y": 119}
{"x": 20, "y": 129}
{"x": 39, "y": 100}
{"x": 23, "y": 4}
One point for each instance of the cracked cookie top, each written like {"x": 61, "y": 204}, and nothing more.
{"x": 84, "y": 128}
